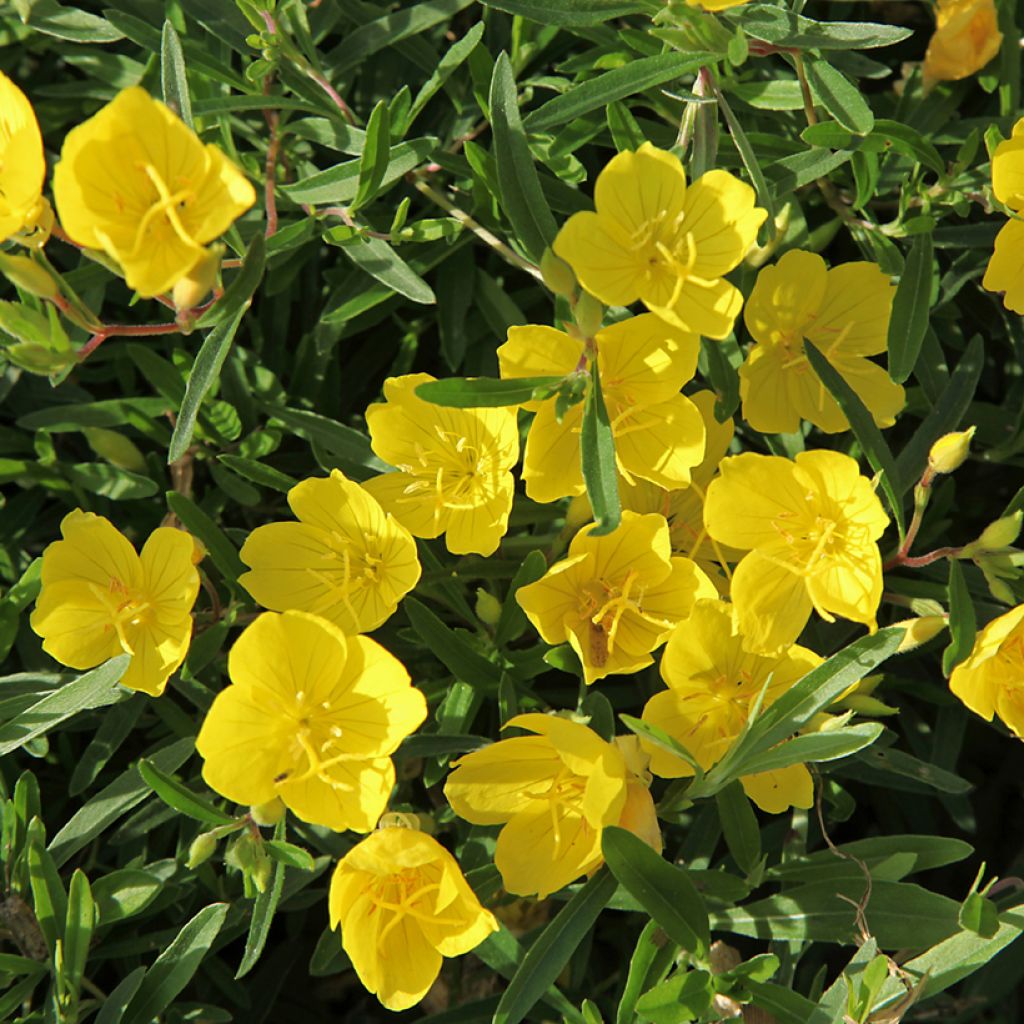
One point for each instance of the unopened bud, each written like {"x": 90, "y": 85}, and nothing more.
{"x": 29, "y": 276}
{"x": 38, "y": 225}
{"x": 269, "y": 813}
{"x": 488, "y": 607}
{"x": 400, "y": 819}
{"x": 950, "y": 451}
{"x": 201, "y": 850}
{"x": 557, "y": 274}
{"x": 589, "y": 313}
{"x": 919, "y": 631}
{"x": 1000, "y": 534}
{"x": 117, "y": 449}
{"x": 579, "y": 513}
{"x": 262, "y": 870}
{"x": 191, "y": 289}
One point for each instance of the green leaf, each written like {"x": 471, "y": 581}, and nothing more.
{"x": 513, "y": 621}
{"x": 173, "y": 969}
{"x": 380, "y": 261}
{"x": 439, "y": 744}
{"x": 450, "y": 649}
{"x": 483, "y": 392}
{"x": 453, "y": 57}
{"x": 815, "y": 746}
{"x": 739, "y": 826}
{"x": 569, "y": 13}
{"x": 109, "y": 413}
{"x": 686, "y": 996}
{"x": 173, "y": 78}
{"x": 78, "y": 928}
{"x": 258, "y": 472}
{"x": 50, "y": 901}
{"x": 126, "y": 892}
{"x": 843, "y": 100}
{"x": 963, "y": 625}
{"x": 780, "y": 27}
{"x": 660, "y": 738}
{"x": 890, "y": 761}
{"x": 205, "y": 373}
{"x": 180, "y": 797}
{"x": 373, "y": 161}
{"x": 784, "y": 1005}
{"x": 238, "y": 295}
{"x": 549, "y": 954}
{"x": 664, "y": 891}
{"x": 979, "y": 915}
{"x": 347, "y": 444}
{"x": 265, "y": 907}
{"x": 289, "y": 854}
{"x": 53, "y": 19}
{"x": 112, "y": 1010}
{"x": 597, "y": 454}
{"x": 651, "y": 947}
{"x": 523, "y": 201}
{"x": 753, "y": 166}
{"x": 910, "y": 309}
{"x": 863, "y": 426}
{"x": 94, "y": 689}
{"x": 910, "y": 142}
{"x": 222, "y": 552}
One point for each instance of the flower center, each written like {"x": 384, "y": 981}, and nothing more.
{"x": 315, "y": 742}
{"x": 163, "y": 214}
{"x": 448, "y": 473}
{"x": 348, "y": 569}
{"x": 128, "y": 609}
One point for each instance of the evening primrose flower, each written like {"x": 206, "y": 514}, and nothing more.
{"x": 615, "y": 598}
{"x": 643, "y": 363}
{"x": 1005, "y": 271}
{"x": 24, "y": 214}
{"x": 100, "y": 598}
{"x": 454, "y": 466}
{"x": 346, "y": 559}
{"x": 656, "y": 239}
{"x": 403, "y": 904}
{"x": 991, "y": 680}
{"x": 713, "y": 684}
{"x": 554, "y": 792}
{"x": 311, "y": 717}
{"x": 811, "y": 528}
{"x": 135, "y": 181}
{"x": 845, "y": 312}
{"x": 966, "y": 38}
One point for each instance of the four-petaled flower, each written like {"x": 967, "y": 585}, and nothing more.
{"x": 99, "y": 598}
{"x": 403, "y": 904}
{"x": 311, "y": 717}
{"x": 811, "y": 529}
{"x": 135, "y": 181}
{"x": 966, "y": 38}
{"x": 454, "y": 466}
{"x": 713, "y": 684}
{"x": 1005, "y": 271}
{"x": 615, "y": 598}
{"x": 656, "y": 239}
{"x": 643, "y": 363}
{"x": 845, "y": 312}
{"x": 554, "y": 792}
{"x": 24, "y": 214}
{"x": 347, "y": 559}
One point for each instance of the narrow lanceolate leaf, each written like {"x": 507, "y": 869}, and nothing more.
{"x": 172, "y": 74}
{"x": 78, "y": 927}
{"x": 451, "y": 649}
{"x": 569, "y": 13}
{"x": 843, "y": 100}
{"x": 239, "y": 293}
{"x": 180, "y": 797}
{"x": 862, "y": 424}
{"x": 222, "y": 552}
{"x": 739, "y": 826}
{"x": 546, "y": 958}
{"x": 482, "y": 392}
{"x": 665, "y": 891}
{"x": 910, "y": 308}
{"x": 816, "y": 746}
{"x": 778, "y": 26}
{"x": 962, "y": 620}
{"x": 374, "y": 159}
{"x": 523, "y": 200}
{"x": 263, "y": 913}
{"x": 380, "y": 261}
{"x": 597, "y": 451}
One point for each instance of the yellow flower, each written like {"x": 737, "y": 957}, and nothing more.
{"x": 454, "y": 466}
{"x": 311, "y": 717}
{"x": 23, "y": 210}
{"x": 643, "y": 363}
{"x": 811, "y": 528}
{"x": 346, "y": 559}
{"x": 656, "y": 239}
{"x": 991, "y": 681}
{"x": 553, "y": 792}
{"x": 138, "y": 183}
{"x": 403, "y": 904}
{"x": 99, "y": 598}
{"x": 845, "y": 313}
{"x": 1005, "y": 271}
{"x": 615, "y": 598}
{"x": 966, "y": 38}
{"x": 712, "y": 685}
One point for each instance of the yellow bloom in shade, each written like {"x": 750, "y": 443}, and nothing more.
{"x": 311, "y": 717}
{"x": 811, "y": 528}
{"x": 23, "y": 210}
{"x": 713, "y": 684}
{"x": 346, "y": 559}
{"x": 966, "y": 38}
{"x": 657, "y": 239}
{"x": 554, "y": 792}
{"x": 100, "y": 598}
{"x": 1005, "y": 272}
{"x": 845, "y": 313}
{"x": 643, "y": 363}
{"x": 403, "y": 904}
{"x": 154, "y": 208}
{"x": 454, "y": 466}
{"x": 991, "y": 680}
{"x": 615, "y": 598}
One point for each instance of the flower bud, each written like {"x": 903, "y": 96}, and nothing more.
{"x": 201, "y": 850}
{"x": 919, "y": 631}
{"x": 1000, "y": 534}
{"x": 557, "y": 274}
{"x": 589, "y": 314}
{"x": 400, "y": 819}
{"x": 269, "y": 813}
{"x": 38, "y": 225}
{"x": 950, "y": 451}
{"x": 28, "y": 275}
{"x": 488, "y": 607}
{"x": 262, "y": 870}
{"x": 191, "y": 289}
{"x": 579, "y": 513}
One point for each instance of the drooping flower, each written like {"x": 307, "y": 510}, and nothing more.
{"x": 403, "y": 904}
{"x": 713, "y": 684}
{"x": 643, "y": 363}
{"x": 966, "y": 38}
{"x": 669, "y": 244}
{"x": 454, "y": 466}
{"x": 135, "y": 181}
{"x": 991, "y": 680}
{"x": 615, "y": 598}
{"x": 845, "y": 313}
{"x": 24, "y": 214}
{"x": 811, "y": 529}
{"x": 311, "y": 717}
{"x": 100, "y": 598}
{"x": 1005, "y": 271}
{"x": 554, "y": 792}
{"x": 346, "y": 559}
